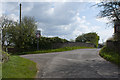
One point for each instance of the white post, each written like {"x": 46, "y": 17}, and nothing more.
{"x": 1, "y": 54}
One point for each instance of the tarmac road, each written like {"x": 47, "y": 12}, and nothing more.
{"x": 80, "y": 63}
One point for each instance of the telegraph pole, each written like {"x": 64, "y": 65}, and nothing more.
{"x": 20, "y": 13}
{"x": 20, "y": 23}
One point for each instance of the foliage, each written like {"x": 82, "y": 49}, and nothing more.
{"x": 88, "y": 38}
{"x": 53, "y": 50}
{"x": 18, "y": 67}
{"x": 71, "y": 40}
{"x": 5, "y": 56}
{"x": 110, "y": 9}
{"x": 110, "y": 55}
{"x": 46, "y": 42}
{"x": 5, "y": 23}
{"x": 20, "y": 35}
{"x": 24, "y": 33}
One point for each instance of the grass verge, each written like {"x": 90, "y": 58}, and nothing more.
{"x": 18, "y": 67}
{"x": 53, "y": 50}
{"x": 110, "y": 55}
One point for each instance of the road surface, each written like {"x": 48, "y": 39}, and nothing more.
{"x": 80, "y": 63}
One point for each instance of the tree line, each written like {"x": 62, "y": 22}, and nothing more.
{"x": 23, "y": 38}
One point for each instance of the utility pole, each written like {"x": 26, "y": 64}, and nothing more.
{"x": 20, "y": 25}
{"x": 20, "y": 13}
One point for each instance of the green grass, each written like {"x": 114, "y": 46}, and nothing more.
{"x": 54, "y": 50}
{"x": 110, "y": 55}
{"x": 18, "y": 67}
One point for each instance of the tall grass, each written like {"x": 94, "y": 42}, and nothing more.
{"x": 110, "y": 55}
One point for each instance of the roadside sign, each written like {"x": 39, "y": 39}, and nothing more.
{"x": 38, "y": 36}
{"x": 38, "y": 33}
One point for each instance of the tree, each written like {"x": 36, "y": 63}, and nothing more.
{"x": 20, "y": 35}
{"x": 111, "y": 10}
{"x": 25, "y": 33}
{"x": 71, "y": 40}
{"x": 81, "y": 38}
{"x": 88, "y": 38}
{"x": 5, "y": 23}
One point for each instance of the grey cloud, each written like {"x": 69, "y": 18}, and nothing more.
{"x": 62, "y": 15}
{"x": 10, "y": 8}
{"x": 52, "y": 23}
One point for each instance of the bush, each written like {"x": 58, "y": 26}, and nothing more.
{"x": 5, "y": 56}
{"x": 46, "y": 42}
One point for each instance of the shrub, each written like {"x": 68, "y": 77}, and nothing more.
{"x": 46, "y": 42}
{"x": 5, "y": 56}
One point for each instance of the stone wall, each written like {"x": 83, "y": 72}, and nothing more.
{"x": 57, "y": 45}
{"x": 72, "y": 44}
{"x": 113, "y": 45}
{"x": 110, "y": 44}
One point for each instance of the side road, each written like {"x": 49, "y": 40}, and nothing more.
{"x": 80, "y": 63}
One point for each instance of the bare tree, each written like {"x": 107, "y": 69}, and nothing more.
{"x": 110, "y": 9}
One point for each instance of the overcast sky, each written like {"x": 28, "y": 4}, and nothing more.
{"x": 63, "y": 19}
